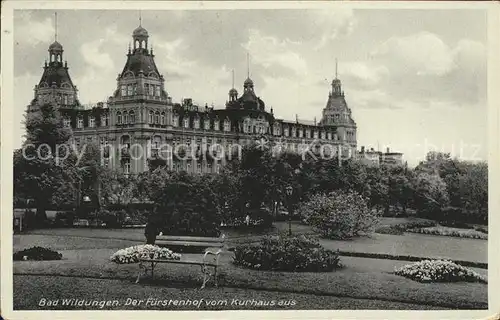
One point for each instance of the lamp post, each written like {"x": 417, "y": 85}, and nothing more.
{"x": 289, "y": 193}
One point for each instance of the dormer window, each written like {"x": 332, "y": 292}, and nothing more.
{"x": 104, "y": 120}
{"x": 158, "y": 91}
{"x": 186, "y": 122}
{"x": 329, "y": 136}
{"x": 286, "y": 131}
{"x": 151, "y": 90}
{"x": 316, "y": 134}
{"x": 92, "y": 121}
{"x": 130, "y": 89}
{"x": 79, "y": 123}
{"x": 175, "y": 121}
{"x": 216, "y": 125}
{"x": 227, "y": 126}
{"x": 206, "y": 124}
{"x": 196, "y": 123}
{"x": 124, "y": 90}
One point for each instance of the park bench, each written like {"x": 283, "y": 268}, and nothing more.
{"x": 209, "y": 261}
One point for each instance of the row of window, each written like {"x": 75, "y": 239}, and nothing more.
{"x": 180, "y": 167}
{"x": 91, "y": 123}
{"x": 149, "y": 89}
{"x": 62, "y": 98}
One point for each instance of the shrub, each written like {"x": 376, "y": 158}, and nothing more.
{"x": 438, "y": 271}
{"x": 400, "y": 228}
{"x": 187, "y": 206}
{"x": 483, "y": 229}
{"x": 37, "y": 253}
{"x": 145, "y": 251}
{"x": 281, "y": 253}
{"x": 452, "y": 232}
{"x": 339, "y": 215}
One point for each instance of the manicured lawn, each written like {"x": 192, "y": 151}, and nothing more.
{"x": 29, "y": 289}
{"x": 360, "y": 279}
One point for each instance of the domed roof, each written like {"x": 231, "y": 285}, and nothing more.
{"x": 140, "y": 32}
{"x": 233, "y": 91}
{"x": 55, "y": 46}
{"x": 248, "y": 82}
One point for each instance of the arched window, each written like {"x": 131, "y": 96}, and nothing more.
{"x": 151, "y": 117}
{"x": 137, "y": 43}
{"x": 118, "y": 117}
{"x": 125, "y": 117}
{"x": 157, "y": 117}
{"x": 162, "y": 118}
{"x": 227, "y": 126}
{"x": 132, "y": 117}
{"x": 175, "y": 120}
{"x": 206, "y": 124}
{"x": 216, "y": 125}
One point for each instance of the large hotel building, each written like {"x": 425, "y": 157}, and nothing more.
{"x": 141, "y": 122}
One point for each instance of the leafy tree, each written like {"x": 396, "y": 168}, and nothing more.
{"x": 430, "y": 194}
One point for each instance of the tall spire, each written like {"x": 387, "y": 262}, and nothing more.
{"x": 55, "y": 26}
{"x": 140, "y": 18}
{"x": 248, "y": 65}
{"x": 336, "y": 67}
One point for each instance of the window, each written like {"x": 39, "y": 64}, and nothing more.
{"x": 79, "y": 123}
{"x": 125, "y": 117}
{"x": 157, "y": 117}
{"x": 196, "y": 123}
{"x": 206, "y": 124}
{"x": 294, "y": 132}
{"x": 175, "y": 121}
{"x": 151, "y": 90}
{"x": 67, "y": 122}
{"x": 92, "y": 121}
{"x": 150, "y": 117}
{"x": 130, "y": 90}
{"x": 316, "y": 134}
{"x": 146, "y": 88}
{"x": 65, "y": 99}
{"x": 323, "y": 135}
{"x": 118, "y": 117}
{"x": 126, "y": 168}
{"x": 188, "y": 167}
{"x": 104, "y": 140}
{"x": 124, "y": 90}
{"x": 227, "y": 126}
{"x": 186, "y": 122}
{"x": 329, "y": 136}
{"x": 157, "y": 93}
{"x": 285, "y": 131}
{"x": 70, "y": 99}
{"x": 335, "y": 137}
{"x": 198, "y": 167}
{"x": 90, "y": 138}
{"x": 162, "y": 118}
{"x": 216, "y": 125}
{"x": 132, "y": 117}
{"x": 104, "y": 120}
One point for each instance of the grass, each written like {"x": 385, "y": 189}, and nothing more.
{"x": 358, "y": 280}
{"x": 28, "y": 289}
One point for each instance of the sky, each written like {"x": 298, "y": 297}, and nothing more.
{"x": 415, "y": 80}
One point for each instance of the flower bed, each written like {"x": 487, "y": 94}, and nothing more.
{"x": 281, "y": 253}
{"x": 438, "y": 271}
{"x": 145, "y": 251}
{"x": 452, "y": 232}
{"x": 400, "y": 228}
{"x": 37, "y": 253}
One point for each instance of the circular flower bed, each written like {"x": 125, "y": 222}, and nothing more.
{"x": 439, "y": 271}
{"x": 145, "y": 251}
{"x": 37, "y": 253}
{"x": 282, "y": 253}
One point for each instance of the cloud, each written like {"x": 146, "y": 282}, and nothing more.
{"x": 31, "y": 32}
{"x": 423, "y": 53}
{"x": 332, "y": 24}
{"x": 269, "y": 52}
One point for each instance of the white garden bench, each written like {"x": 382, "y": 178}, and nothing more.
{"x": 206, "y": 263}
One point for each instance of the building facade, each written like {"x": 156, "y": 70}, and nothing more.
{"x": 140, "y": 122}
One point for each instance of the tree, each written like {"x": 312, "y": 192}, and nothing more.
{"x": 45, "y": 162}
{"x": 430, "y": 194}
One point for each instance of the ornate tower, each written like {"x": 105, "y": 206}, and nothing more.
{"x": 55, "y": 85}
{"x": 337, "y": 113}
